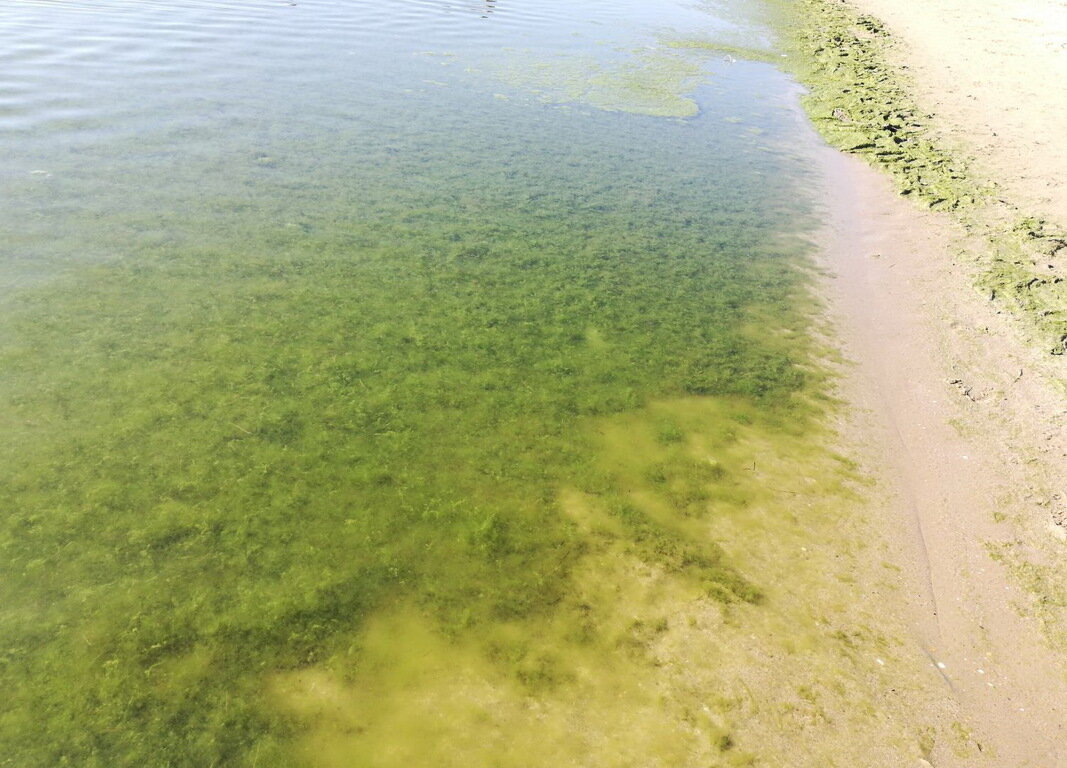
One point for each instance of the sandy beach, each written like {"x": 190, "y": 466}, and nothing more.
{"x": 965, "y": 421}
{"x": 963, "y": 409}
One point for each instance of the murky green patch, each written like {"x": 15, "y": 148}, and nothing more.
{"x": 654, "y": 657}
{"x": 724, "y": 50}
{"x": 657, "y": 84}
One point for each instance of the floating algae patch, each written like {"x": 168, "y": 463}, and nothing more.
{"x": 654, "y": 83}
{"x": 631, "y": 57}
{"x": 715, "y": 48}
{"x": 658, "y": 80}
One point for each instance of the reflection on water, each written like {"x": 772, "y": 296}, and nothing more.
{"x": 312, "y": 313}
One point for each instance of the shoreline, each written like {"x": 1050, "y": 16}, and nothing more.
{"x": 947, "y": 300}
{"x": 551, "y": 470}
{"x": 946, "y": 426}
{"x": 989, "y": 80}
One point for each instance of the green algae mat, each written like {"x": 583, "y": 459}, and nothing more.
{"x": 379, "y": 402}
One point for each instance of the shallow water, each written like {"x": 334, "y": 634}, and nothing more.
{"x": 316, "y": 313}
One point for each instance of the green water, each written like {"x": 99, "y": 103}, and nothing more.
{"x": 311, "y": 312}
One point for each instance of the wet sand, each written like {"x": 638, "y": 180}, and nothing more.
{"x": 962, "y": 409}
{"x": 966, "y": 421}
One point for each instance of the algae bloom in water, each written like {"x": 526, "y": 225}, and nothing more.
{"x": 653, "y": 83}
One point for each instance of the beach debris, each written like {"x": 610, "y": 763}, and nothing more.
{"x": 964, "y": 389}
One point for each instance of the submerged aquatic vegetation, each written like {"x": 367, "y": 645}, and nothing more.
{"x": 227, "y": 450}
{"x": 645, "y": 657}
{"x": 359, "y": 433}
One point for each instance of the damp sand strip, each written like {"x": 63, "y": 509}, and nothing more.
{"x": 969, "y": 472}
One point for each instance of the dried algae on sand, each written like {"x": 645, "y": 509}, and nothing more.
{"x": 863, "y": 103}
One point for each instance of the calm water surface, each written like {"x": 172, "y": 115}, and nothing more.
{"x": 128, "y": 123}
{"x": 311, "y": 310}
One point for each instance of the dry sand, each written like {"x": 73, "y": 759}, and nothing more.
{"x": 967, "y": 419}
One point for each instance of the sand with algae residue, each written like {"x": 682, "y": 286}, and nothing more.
{"x": 1003, "y": 191}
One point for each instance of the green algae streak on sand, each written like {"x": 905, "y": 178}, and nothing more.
{"x": 367, "y": 404}
{"x": 861, "y": 101}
